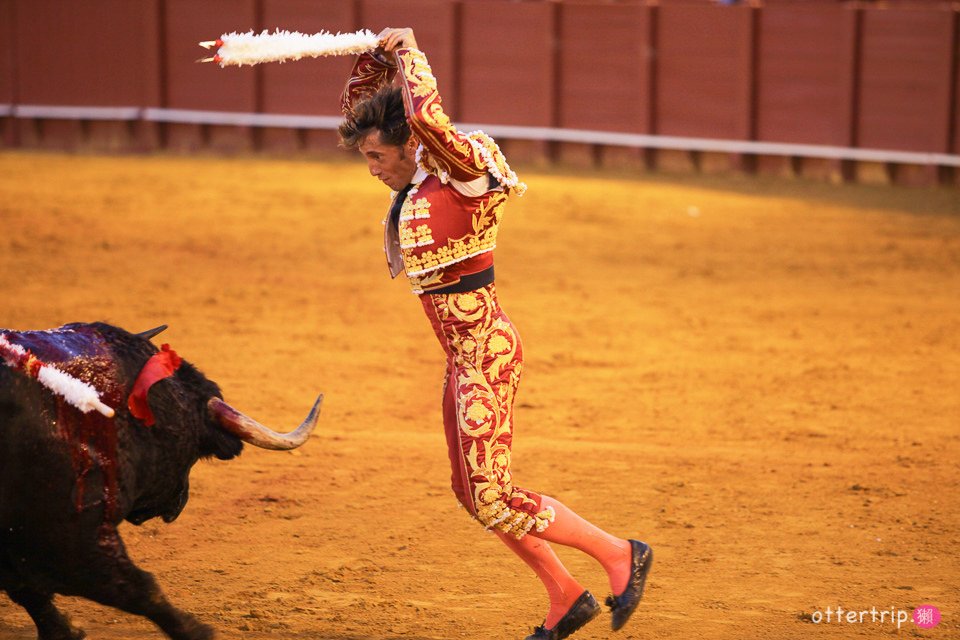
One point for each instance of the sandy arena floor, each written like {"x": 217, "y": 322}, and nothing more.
{"x": 761, "y": 378}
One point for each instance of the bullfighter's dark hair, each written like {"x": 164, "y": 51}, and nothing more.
{"x": 382, "y": 111}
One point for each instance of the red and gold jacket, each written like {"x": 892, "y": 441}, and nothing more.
{"x": 450, "y": 216}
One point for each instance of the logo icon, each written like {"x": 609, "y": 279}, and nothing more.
{"x": 926, "y": 616}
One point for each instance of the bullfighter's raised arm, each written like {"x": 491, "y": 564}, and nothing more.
{"x": 448, "y": 149}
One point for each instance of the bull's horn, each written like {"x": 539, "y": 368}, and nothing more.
{"x": 249, "y": 430}
{"x": 152, "y": 332}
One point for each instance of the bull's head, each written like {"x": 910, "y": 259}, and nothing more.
{"x": 192, "y": 398}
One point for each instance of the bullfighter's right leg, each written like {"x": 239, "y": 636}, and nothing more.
{"x": 51, "y": 623}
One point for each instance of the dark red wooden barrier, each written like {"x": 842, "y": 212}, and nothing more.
{"x": 100, "y": 54}
{"x": 85, "y": 53}
{"x": 206, "y": 86}
{"x": 805, "y": 74}
{"x": 955, "y": 102}
{"x": 605, "y": 67}
{"x": 8, "y": 125}
{"x": 508, "y": 69}
{"x": 436, "y": 24}
{"x": 7, "y": 48}
{"x": 906, "y": 68}
{"x": 306, "y": 86}
{"x": 811, "y": 72}
{"x": 507, "y": 63}
{"x": 703, "y": 73}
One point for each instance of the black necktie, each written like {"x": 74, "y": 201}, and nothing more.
{"x": 398, "y": 204}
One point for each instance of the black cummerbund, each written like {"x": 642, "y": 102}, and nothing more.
{"x": 470, "y": 282}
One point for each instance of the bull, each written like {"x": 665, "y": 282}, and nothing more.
{"x": 69, "y": 477}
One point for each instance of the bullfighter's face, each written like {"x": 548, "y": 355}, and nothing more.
{"x": 392, "y": 164}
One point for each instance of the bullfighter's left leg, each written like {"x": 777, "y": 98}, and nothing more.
{"x": 563, "y": 590}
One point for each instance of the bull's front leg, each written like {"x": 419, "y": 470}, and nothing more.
{"x": 123, "y": 585}
{"x": 51, "y": 623}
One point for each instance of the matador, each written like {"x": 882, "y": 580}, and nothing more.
{"x": 450, "y": 189}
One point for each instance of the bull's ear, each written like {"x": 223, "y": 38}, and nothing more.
{"x": 219, "y": 444}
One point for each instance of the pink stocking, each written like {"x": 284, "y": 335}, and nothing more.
{"x": 571, "y": 530}
{"x": 562, "y": 588}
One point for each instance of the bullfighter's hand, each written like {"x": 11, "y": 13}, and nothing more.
{"x": 392, "y": 39}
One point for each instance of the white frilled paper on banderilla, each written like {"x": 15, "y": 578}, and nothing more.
{"x": 76, "y": 392}
{"x": 280, "y": 46}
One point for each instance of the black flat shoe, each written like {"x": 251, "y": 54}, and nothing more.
{"x": 583, "y": 611}
{"x": 623, "y": 605}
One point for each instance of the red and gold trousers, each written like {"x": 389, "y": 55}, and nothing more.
{"x": 484, "y": 360}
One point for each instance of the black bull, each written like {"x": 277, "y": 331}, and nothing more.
{"x": 68, "y": 479}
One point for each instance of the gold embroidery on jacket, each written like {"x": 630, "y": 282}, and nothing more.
{"x": 418, "y": 210}
{"x": 485, "y": 223}
{"x": 411, "y": 238}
